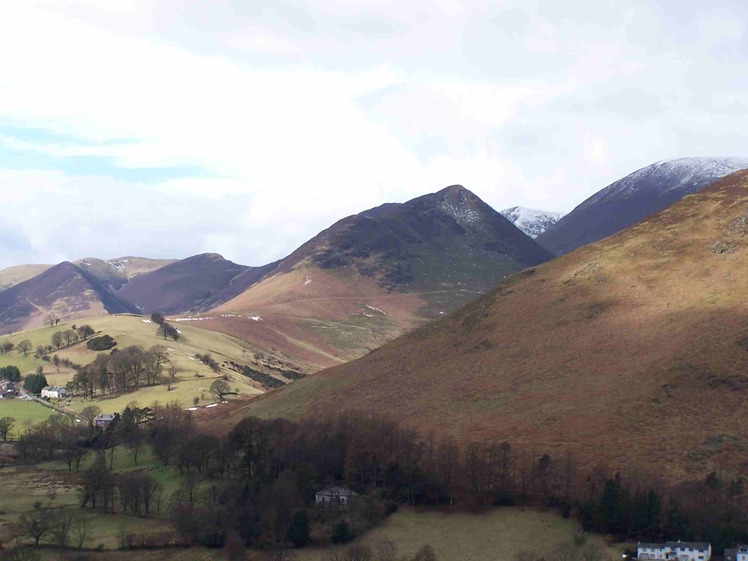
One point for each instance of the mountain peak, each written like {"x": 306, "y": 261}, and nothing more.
{"x": 634, "y": 197}
{"x": 531, "y": 221}
{"x": 452, "y": 190}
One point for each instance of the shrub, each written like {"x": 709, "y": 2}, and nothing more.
{"x": 103, "y": 343}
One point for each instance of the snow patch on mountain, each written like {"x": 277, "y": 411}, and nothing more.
{"x": 684, "y": 174}
{"x": 531, "y": 221}
{"x": 463, "y": 214}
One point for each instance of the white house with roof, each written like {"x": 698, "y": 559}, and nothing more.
{"x": 103, "y": 419}
{"x": 7, "y": 389}
{"x": 740, "y": 553}
{"x": 676, "y": 551}
{"x": 55, "y": 392}
{"x": 335, "y": 495}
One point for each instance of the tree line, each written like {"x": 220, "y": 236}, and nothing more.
{"x": 122, "y": 370}
{"x": 259, "y": 480}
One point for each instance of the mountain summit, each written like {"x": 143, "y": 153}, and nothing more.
{"x": 377, "y": 274}
{"x": 633, "y": 198}
{"x": 446, "y": 239}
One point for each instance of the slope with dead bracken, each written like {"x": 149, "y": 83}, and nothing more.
{"x": 113, "y": 273}
{"x": 629, "y": 350}
{"x": 65, "y": 290}
{"x": 375, "y": 275}
{"x": 183, "y": 285}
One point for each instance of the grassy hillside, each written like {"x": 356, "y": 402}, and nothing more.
{"x": 193, "y": 380}
{"x": 496, "y": 535}
{"x": 630, "y": 351}
{"x": 24, "y": 412}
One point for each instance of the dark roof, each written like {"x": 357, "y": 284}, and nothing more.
{"x": 651, "y": 545}
{"x": 337, "y": 492}
{"x": 690, "y": 545}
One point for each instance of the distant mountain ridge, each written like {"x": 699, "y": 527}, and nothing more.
{"x": 67, "y": 290}
{"x": 531, "y": 221}
{"x": 633, "y": 198}
{"x": 184, "y": 285}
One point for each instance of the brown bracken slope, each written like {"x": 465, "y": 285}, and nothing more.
{"x": 632, "y": 349}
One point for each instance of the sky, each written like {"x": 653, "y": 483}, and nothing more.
{"x": 167, "y": 128}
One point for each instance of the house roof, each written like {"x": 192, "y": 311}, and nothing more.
{"x": 690, "y": 545}
{"x": 651, "y": 545}
{"x": 104, "y": 417}
{"x": 337, "y": 492}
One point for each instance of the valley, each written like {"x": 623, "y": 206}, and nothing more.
{"x": 192, "y": 379}
{"x": 525, "y": 395}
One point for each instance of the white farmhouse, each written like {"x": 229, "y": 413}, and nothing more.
{"x": 55, "y": 392}
{"x": 676, "y": 551}
{"x": 738, "y": 554}
{"x": 337, "y": 495}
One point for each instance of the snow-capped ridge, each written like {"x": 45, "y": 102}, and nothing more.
{"x": 688, "y": 174}
{"x": 531, "y": 221}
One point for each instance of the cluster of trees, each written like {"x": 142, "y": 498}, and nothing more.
{"x": 34, "y": 383}
{"x": 10, "y": 373}
{"x": 103, "y": 343}
{"x": 209, "y": 361}
{"x": 24, "y": 347}
{"x": 713, "y": 510}
{"x": 165, "y": 329}
{"x": 259, "y": 481}
{"x": 122, "y": 370}
{"x": 59, "y": 527}
{"x": 71, "y": 336}
{"x": 6, "y": 425}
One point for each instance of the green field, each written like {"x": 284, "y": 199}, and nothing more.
{"x": 497, "y": 535}
{"x": 23, "y": 412}
{"x": 193, "y": 380}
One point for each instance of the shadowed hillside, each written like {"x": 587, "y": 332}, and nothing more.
{"x": 375, "y": 275}
{"x": 184, "y": 285}
{"x": 66, "y": 290}
{"x": 115, "y": 273}
{"x": 633, "y": 349}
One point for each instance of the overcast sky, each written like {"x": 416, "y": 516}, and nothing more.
{"x": 167, "y": 128}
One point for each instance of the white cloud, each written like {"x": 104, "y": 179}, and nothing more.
{"x": 296, "y": 115}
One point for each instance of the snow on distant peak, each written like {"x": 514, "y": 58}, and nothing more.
{"x": 531, "y": 221}
{"x": 683, "y": 174}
